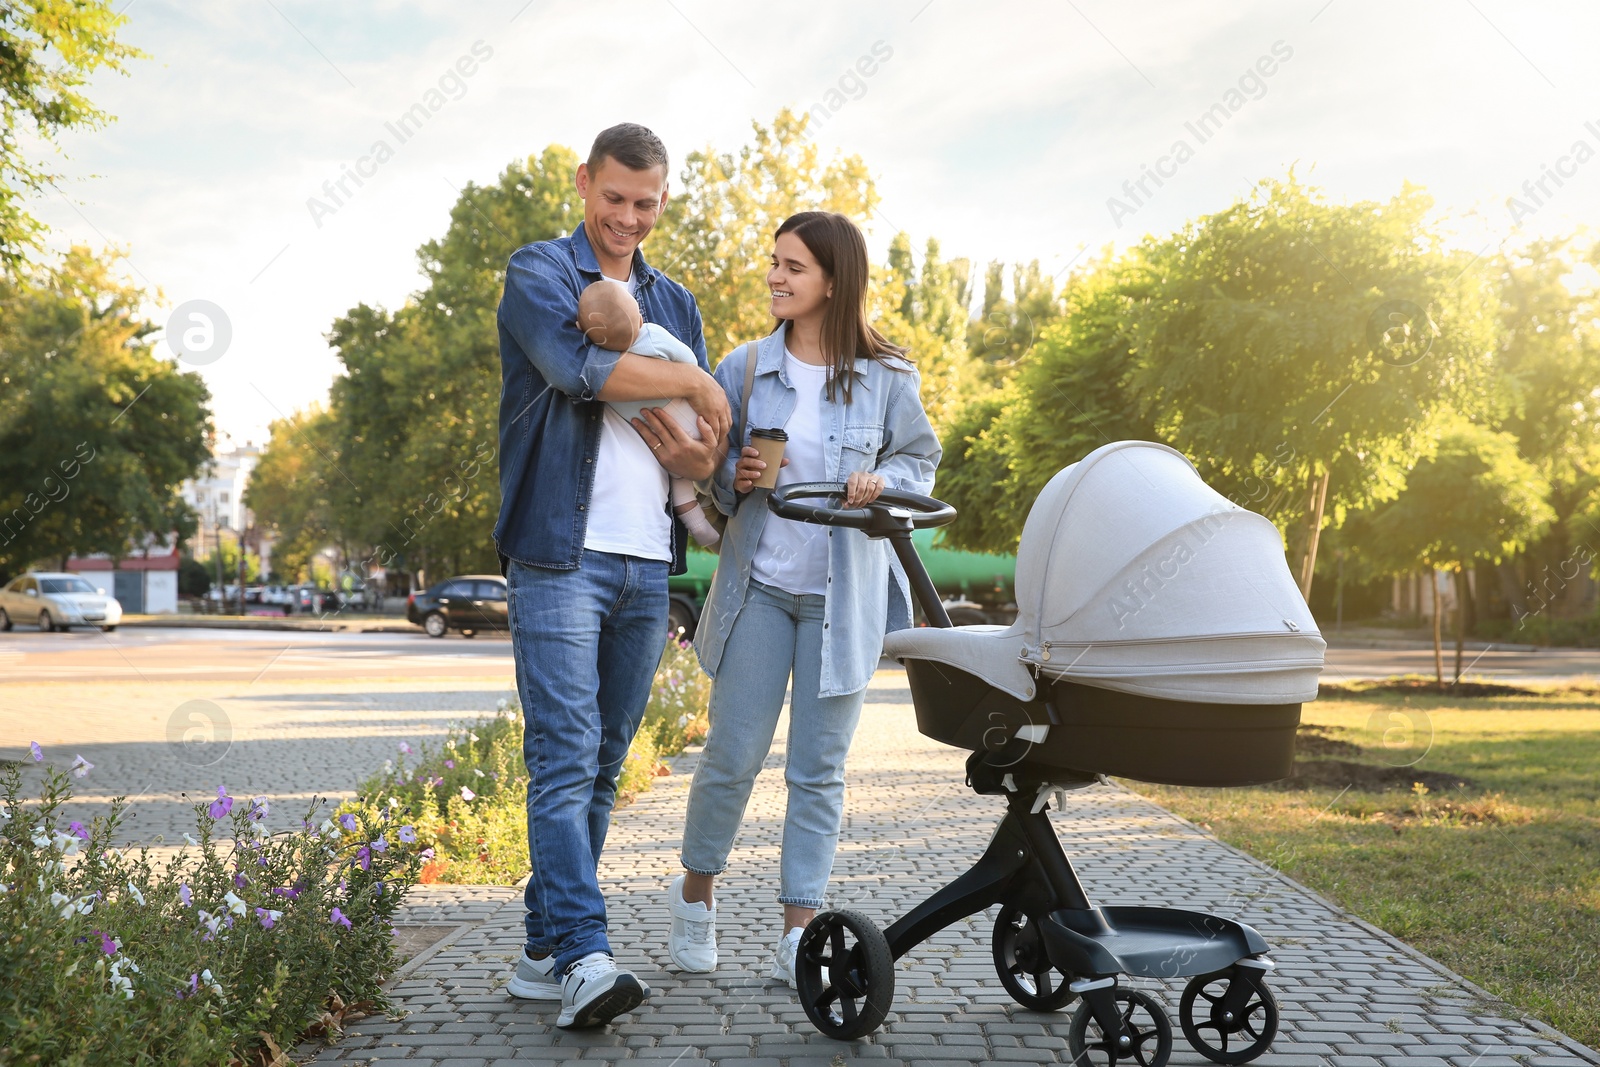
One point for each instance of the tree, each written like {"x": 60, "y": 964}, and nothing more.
{"x": 288, "y": 489}
{"x": 96, "y": 433}
{"x": 1319, "y": 346}
{"x": 1474, "y": 499}
{"x": 1548, "y": 361}
{"x": 48, "y": 50}
{"x": 1066, "y": 397}
{"x": 716, "y": 234}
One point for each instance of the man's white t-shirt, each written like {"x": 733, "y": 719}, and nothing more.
{"x": 793, "y": 556}
{"x": 628, "y": 508}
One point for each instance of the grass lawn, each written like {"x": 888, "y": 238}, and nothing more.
{"x": 1466, "y": 825}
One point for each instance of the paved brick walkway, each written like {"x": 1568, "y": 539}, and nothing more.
{"x": 1350, "y": 996}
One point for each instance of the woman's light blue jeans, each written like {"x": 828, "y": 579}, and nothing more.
{"x": 776, "y": 634}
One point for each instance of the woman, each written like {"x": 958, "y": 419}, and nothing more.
{"x": 797, "y": 598}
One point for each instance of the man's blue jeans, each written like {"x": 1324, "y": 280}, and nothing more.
{"x": 586, "y": 643}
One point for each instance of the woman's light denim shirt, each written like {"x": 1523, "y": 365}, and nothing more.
{"x": 882, "y": 430}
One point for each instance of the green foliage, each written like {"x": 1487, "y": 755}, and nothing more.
{"x": 716, "y": 234}
{"x": 468, "y": 796}
{"x": 104, "y": 961}
{"x": 48, "y": 51}
{"x": 1474, "y": 499}
{"x": 96, "y": 433}
{"x": 1068, "y": 397}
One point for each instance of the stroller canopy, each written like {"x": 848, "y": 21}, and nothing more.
{"x": 1134, "y": 575}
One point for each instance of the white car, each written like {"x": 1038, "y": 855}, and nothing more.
{"x": 55, "y": 600}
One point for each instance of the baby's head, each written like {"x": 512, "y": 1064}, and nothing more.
{"x": 608, "y": 315}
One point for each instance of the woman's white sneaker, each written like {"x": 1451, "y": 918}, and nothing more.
{"x": 535, "y": 979}
{"x": 692, "y": 942}
{"x": 783, "y": 962}
{"x": 595, "y": 990}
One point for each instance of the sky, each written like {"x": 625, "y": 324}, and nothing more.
{"x": 1008, "y": 130}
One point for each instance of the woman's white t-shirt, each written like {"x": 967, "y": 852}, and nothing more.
{"x": 628, "y": 508}
{"x": 793, "y": 556}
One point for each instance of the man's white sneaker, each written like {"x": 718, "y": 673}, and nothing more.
{"x": 692, "y": 944}
{"x": 595, "y": 990}
{"x": 783, "y": 962}
{"x": 535, "y": 979}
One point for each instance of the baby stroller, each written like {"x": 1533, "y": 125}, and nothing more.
{"x": 1159, "y": 637}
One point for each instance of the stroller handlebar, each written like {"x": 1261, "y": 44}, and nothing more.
{"x": 895, "y": 509}
{"x": 893, "y": 515}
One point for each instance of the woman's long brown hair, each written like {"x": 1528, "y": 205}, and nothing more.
{"x": 841, "y": 252}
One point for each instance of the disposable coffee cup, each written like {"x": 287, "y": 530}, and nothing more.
{"x": 770, "y": 443}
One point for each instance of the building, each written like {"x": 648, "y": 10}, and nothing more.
{"x": 217, "y": 497}
{"x": 144, "y": 582}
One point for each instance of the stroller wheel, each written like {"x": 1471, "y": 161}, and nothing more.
{"x": 1144, "y": 1023}
{"x": 1023, "y": 965}
{"x": 1216, "y": 1036}
{"x": 845, "y": 974}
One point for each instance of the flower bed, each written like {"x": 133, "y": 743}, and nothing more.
{"x": 226, "y": 954}
{"x": 469, "y": 794}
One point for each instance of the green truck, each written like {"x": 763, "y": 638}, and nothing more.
{"x": 977, "y": 587}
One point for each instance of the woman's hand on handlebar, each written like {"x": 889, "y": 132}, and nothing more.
{"x": 862, "y": 488}
{"x": 749, "y": 468}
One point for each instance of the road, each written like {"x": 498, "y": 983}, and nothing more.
{"x": 156, "y": 654}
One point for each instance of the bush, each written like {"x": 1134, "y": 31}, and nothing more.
{"x": 469, "y": 794}
{"x": 227, "y": 954}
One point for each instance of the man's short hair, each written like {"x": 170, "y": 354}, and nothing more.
{"x": 630, "y": 144}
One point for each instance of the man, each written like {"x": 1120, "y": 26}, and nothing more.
{"x": 586, "y": 543}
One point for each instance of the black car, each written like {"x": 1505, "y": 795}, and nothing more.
{"x": 468, "y": 602}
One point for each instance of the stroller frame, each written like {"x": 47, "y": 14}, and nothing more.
{"x": 1048, "y": 928}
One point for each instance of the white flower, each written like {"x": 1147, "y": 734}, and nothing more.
{"x": 388, "y": 766}
{"x": 502, "y": 704}
{"x": 70, "y": 971}
{"x": 41, "y": 839}
{"x": 4, "y": 888}
{"x": 66, "y": 844}
{"x": 133, "y": 891}
{"x": 477, "y": 772}
{"x": 81, "y": 767}
{"x": 259, "y": 830}
{"x": 211, "y": 922}
{"x": 71, "y": 906}
{"x": 472, "y": 735}
{"x": 190, "y": 840}
{"x": 394, "y": 802}
{"x": 330, "y": 829}
{"x": 235, "y": 905}
{"x": 210, "y": 982}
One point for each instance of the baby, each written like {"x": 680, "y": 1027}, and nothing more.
{"x": 609, "y": 317}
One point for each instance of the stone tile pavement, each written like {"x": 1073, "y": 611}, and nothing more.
{"x": 1350, "y": 995}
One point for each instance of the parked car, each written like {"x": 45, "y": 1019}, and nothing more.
{"x": 56, "y": 600}
{"x": 311, "y": 600}
{"x": 468, "y": 602}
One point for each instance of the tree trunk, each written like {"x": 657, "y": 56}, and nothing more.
{"x": 1438, "y": 655}
{"x": 1319, "y": 498}
{"x": 1461, "y": 617}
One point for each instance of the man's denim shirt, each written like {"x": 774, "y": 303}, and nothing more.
{"x": 549, "y": 417}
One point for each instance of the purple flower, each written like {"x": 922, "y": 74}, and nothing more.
{"x": 268, "y": 917}
{"x": 467, "y": 794}
{"x": 338, "y": 917}
{"x": 240, "y": 881}
{"x": 259, "y": 807}
{"x": 348, "y": 821}
{"x": 426, "y": 853}
{"x": 76, "y": 828}
{"x": 222, "y": 805}
{"x": 380, "y": 845}
{"x": 108, "y": 944}
{"x": 407, "y": 835}
{"x": 436, "y": 781}
{"x": 364, "y": 858}
{"x": 38, "y": 753}
{"x": 286, "y": 891}
{"x": 405, "y": 749}
{"x": 450, "y": 763}
{"x": 81, "y": 767}
{"x": 185, "y": 895}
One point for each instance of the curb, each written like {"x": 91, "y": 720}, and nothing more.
{"x": 1508, "y": 1009}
